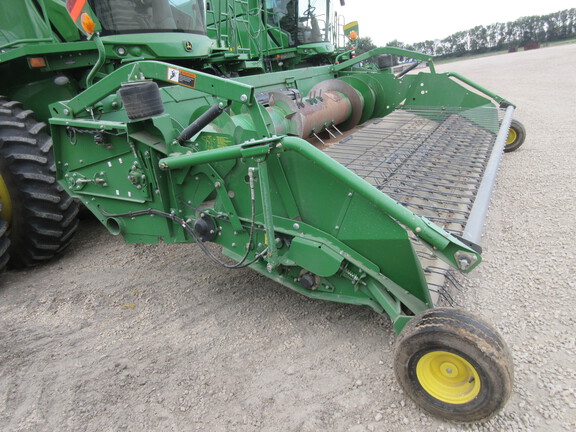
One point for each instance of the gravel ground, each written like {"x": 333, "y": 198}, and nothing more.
{"x": 115, "y": 337}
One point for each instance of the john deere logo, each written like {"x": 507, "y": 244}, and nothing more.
{"x": 188, "y": 45}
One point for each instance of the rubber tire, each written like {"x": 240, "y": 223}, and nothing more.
{"x": 44, "y": 216}
{"x": 4, "y": 243}
{"x": 385, "y": 61}
{"x": 520, "y": 136}
{"x": 463, "y": 334}
{"x": 141, "y": 99}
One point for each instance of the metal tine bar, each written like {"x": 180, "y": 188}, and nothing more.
{"x": 427, "y": 169}
{"x": 449, "y": 221}
{"x": 428, "y": 159}
{"x": 436, "y": 162}
{"x": 428, "y": 198}
{"x": 430, "y": 207}
{"x": 466, "y": 195}
{"x": 434, "y": 167}
{"x": 438, "y": 209}
{"x": 425, "y": 158}
{"x": 417, "y": 181}
{"x": 442, "y": 292}
{"x": 411, "y": 180}
{"x": 436, "y": 178}
{"x": 434, "y": 191}
{"x": 447, "y": 273}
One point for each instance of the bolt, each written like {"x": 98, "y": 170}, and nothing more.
{"x": 418, "y": 229}
{"x": 350, "y": 194}
{"x": 66, "y": 111}
{"x": 233, "y": 244}
{"x": 217, "y": 185}
{"x": 243, "y": 98}
{"x": 296, "y": 226}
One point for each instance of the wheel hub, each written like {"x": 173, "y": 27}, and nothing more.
{"x": 448, "y": 377}
{"x": 512, "y": 135}
{"x": 449, "y": 369}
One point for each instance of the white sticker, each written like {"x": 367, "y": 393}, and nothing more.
{"x": 173, "y": 75}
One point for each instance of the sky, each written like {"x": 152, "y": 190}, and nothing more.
{"x": 411, "y": 21}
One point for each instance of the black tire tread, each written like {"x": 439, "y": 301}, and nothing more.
{"x": 520, "y": 136}
{"x": 447, "y": 328}
{"x": 44, "y": 215}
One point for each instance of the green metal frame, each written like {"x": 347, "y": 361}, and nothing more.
{"x": 273, "y": 202}
{"x": 311, "y": 214}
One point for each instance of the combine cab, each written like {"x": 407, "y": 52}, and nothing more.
{"x": 243, "y": 144}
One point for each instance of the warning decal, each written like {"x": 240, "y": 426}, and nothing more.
{"x": 182, "y": 77}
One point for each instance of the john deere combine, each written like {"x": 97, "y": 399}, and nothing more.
{"x": 221, "y": 144}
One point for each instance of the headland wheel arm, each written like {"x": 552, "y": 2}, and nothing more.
{"x": 386, "y": 50}
{"x": 175, "y": 75}
{"x": 499, "y": 99}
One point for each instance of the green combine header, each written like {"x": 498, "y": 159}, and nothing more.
{"x": 238, "y": 123}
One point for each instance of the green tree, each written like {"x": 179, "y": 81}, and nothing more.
{"x": 546, "y": 28}
{"x": 364, "y": 44}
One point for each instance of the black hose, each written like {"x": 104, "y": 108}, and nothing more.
{"x": 201, "y": 122}
{"x": 408, "y": 69}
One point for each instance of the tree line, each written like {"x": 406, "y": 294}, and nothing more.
{"x": 524, "y": 32}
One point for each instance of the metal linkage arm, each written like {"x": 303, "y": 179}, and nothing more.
{"x": 188, "y": 78}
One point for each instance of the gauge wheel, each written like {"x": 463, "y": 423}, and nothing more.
{"x": 454, "y": 365}
{"x": 516, "y": 136}
{"x": 41, "y": 216}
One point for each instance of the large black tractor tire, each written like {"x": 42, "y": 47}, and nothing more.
{"x": 4, "y": 243}
{"x": 454, "y": 365}
{"x": 41, "y": 216}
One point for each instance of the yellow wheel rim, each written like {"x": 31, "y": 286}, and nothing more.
{"x": 448, "y": 377}
{"x": 512, "y": 135}
{"x": 6, "y": 212}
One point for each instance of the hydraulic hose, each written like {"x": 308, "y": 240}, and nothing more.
{"x": 202, "y": 121}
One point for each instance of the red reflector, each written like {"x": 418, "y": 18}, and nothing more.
{"x": 75, "y": 7}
